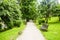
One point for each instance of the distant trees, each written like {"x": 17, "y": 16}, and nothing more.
{"x": 57, "y": 11}
{"x": 28, "y": 9}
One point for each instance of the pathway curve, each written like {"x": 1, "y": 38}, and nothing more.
{"x": 31, "y": 33}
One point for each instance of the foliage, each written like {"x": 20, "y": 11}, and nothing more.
{"x": 28, "y": 9}
{"x": 45, "y": 8}
{"x": 53, "y": 29}
{"x": 10, "y": 12}
{"x": 11, "y": 34}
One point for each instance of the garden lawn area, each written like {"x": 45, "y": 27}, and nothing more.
{"x": 53, "y": 32}
{"x": 12, "y": 33}
{"x": 53, "y": 29}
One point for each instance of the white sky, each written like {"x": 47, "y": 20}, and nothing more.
{"x": 59, "y": 1}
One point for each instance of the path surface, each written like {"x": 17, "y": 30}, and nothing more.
{"x": 31, "y": 33}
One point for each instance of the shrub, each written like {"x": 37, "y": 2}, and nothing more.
{"x": 41, "y": 21}
{"x": 17, "y": 23}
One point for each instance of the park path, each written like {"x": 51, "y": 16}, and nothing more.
{"x": 31, "y": 33}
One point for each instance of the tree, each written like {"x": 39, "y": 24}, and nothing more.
{"x": 56, "y": 11}
{"x": 46, "y": 7}
{"x": 10, "y": 13}
{"x": 45, "y": 10}
{"x": 28, "y": 9}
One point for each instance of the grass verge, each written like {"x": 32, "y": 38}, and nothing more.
{"x": 53, "y": 32}
{"x": 12, "y": 33}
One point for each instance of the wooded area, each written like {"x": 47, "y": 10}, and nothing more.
{"x": 12, "y": 12}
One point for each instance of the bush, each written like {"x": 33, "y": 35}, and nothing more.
{"x": 41, "y": 21}
{"x": 17, "y": 23}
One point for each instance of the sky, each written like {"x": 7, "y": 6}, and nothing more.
{"x": 40, "y": 1}
{"x": 59, "y": 1}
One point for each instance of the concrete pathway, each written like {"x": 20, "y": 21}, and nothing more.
{"x": 31, "y": 33}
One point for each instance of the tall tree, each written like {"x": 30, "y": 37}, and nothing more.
{"x": 28, "y": 9}
{"x": 46, "y": 7}
{"x": 10, "y": 12}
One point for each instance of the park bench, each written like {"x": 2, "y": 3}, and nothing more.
{"x": 44, "y": 27}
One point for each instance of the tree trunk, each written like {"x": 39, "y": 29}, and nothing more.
{"x": 59, "y": 18}
{"x": 46, "y": 20}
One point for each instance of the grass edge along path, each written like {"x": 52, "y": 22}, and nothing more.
{"x": 12, "y": 33}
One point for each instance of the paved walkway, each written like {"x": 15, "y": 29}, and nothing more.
{"x": 31, "y": 33}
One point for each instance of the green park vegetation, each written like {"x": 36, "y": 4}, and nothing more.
{"x": 53, "y": 29}
{"x": 51, "y": 16}
{"x": 14, "y": 14}
{"x": 12, "y": 34}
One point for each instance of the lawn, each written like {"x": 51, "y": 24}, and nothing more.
{"x": 53, "y": 29}
{"x": 12, "y": 33}
{"x": 53, "y": 32}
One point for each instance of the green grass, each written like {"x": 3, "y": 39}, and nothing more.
{"x": 12, "y": 33}
{"x": 53, "y": 32}
{"x": 53, "y": 20}
{"x": 53, "y": 29}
